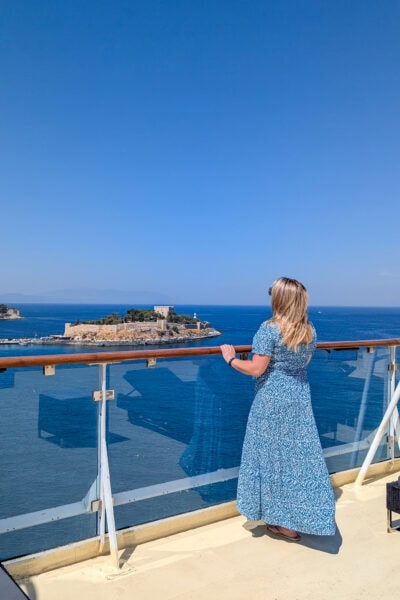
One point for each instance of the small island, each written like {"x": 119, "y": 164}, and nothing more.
{"x": 139, "y": 326}
{"x": 7, "y": 312}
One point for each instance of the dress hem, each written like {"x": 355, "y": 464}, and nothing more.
{"x": 329, "y": 531}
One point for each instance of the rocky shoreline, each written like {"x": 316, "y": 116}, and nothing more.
{"x": 54, "y": 340}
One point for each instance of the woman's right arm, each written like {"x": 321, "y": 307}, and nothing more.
{"x": 255, "y": 367}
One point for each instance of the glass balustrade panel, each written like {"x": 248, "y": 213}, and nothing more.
{"x": 187, "y": 417}
{"x": 183, "y": 419}
{"x": 48, "y": 456}
{"x": 174, "y": 437}
{"x": 350, "y": 395}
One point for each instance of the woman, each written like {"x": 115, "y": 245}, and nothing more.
{"x": 283, "y": 479}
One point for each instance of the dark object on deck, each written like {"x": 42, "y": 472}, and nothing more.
{"x": 9, "y": 588}
{"x": 392, "y": 503}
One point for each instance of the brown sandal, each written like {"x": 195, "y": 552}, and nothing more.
{"x": 279, "y": 534}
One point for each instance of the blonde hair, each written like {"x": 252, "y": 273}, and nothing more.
{"x": 289, "y": 308}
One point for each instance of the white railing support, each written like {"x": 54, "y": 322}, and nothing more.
{"x": 104, "y": 482}
{"x": 378, "y": 436}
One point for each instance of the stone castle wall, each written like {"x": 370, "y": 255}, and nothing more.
{"x": 163, "y": 310}
{"x": 71, "y": 330}
{"x": 82, "y": 330}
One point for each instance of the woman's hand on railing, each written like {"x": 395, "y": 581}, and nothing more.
{"x": 228, "y": 352}
{"x": 254, "y": 367}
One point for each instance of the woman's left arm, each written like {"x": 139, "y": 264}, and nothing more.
{"x": 255, "y": 367}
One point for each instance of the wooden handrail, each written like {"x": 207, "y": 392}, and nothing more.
{"x": 114, "y": 357}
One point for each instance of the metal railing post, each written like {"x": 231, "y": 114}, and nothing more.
{"x": 101, "y": 511}
{"x": 104, "y": 482}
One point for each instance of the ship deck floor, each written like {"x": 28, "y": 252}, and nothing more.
{"x": 225, "y": 560}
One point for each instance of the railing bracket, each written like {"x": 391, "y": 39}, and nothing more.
{"x": 393, "y": 367}
{"x": 151, "y": 362}
{"x": 49, "y": 370}
{"x": 244, "y": 355}
{"x": 97, "y": 505}
{"x": 97, "y": 395}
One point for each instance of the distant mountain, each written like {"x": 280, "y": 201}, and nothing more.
{"x": 88, "y": 296}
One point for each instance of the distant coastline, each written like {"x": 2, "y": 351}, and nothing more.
{"x": 8, "y": 313}
{"x": 138, "y": 327}
{"x": 237, "y": 325}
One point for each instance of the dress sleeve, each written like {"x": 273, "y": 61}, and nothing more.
{"x": 264, "y": 341}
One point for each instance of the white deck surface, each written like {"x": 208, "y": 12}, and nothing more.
{"x": 224, "y": 561}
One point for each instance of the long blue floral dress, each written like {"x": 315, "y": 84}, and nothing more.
{"x": 283, "y": 479}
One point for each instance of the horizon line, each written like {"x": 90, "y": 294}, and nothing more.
{"x": 85, "y": 303}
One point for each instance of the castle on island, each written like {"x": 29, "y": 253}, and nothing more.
{"x": 140, "y": 325}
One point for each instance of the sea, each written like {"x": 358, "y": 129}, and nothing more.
{"x": 184, "y": 418}
{"x": 236, "y": 323}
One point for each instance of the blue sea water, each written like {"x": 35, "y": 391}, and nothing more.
{"x": 236, "y": 323}
{"x": 184, "y": 418}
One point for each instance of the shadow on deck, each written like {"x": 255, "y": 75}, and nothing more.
{"x": 237, "y": 560}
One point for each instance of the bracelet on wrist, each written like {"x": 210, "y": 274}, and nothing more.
{"x": 230, "y": 361}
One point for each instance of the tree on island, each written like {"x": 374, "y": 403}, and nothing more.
{"x": 134, "y": 315}
{"x": 141, "y": 314}
{"x": 173, "y": 317}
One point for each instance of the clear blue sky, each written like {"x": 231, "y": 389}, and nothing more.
{"x": 201, "y": 148}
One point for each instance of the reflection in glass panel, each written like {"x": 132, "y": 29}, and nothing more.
{"x": 181, "y": 419}
{"x": 48, "y": 453}
{"x": 186, "y": 418}
{"x": 349, "y": 391}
